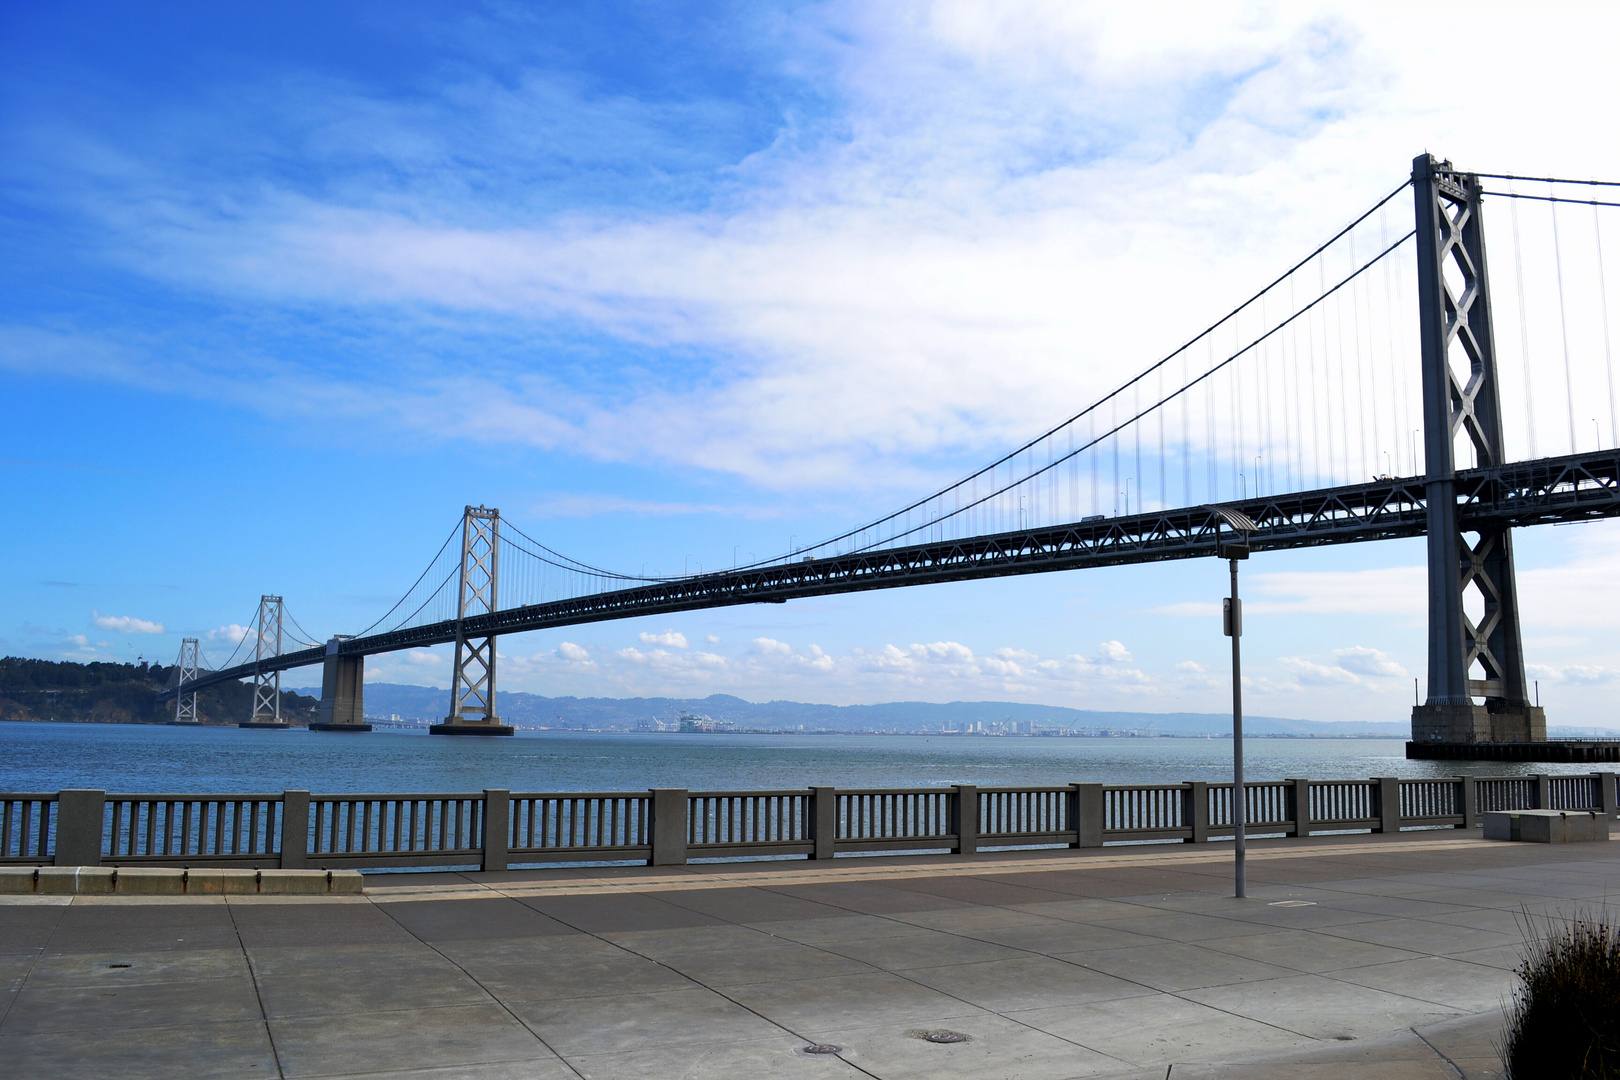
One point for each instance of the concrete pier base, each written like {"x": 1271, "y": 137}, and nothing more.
{"x": 455, "y": 726}
{"x": 1478, "y": 724}
{"x": 267, "y": 725}
{"x": 343, "y": 692}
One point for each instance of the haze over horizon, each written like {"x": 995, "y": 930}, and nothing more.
{"x": 681, "y": 287}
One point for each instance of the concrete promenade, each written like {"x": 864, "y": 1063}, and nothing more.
{"x": 1356, "y": 956}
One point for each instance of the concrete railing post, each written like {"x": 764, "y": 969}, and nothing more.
{"x": 1608, "y": 798}
{"x": 1195, "y": 810}
{"x": 669, "y": 806}
{"x": 1543, "y": 794}
{"x": 1299, "y": 807}
{"x": 79, "y": 817}
{"x": 824, "y": 822}
{"x": 497, "y": 819}
{"x": 1470, "y": 802}
{"x": 1388, "y": 810}
{"x": 965, "y": 819}
{"x": 294, "y": 830}
{"x": 1090, "y": 821}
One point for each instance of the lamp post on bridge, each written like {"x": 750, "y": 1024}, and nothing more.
{"x": 1232, "y": 623}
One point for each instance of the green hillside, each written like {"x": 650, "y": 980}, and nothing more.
{"x": 121, "y": 694}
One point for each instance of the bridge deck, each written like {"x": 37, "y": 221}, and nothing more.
{"x": 1578, "y": 487}
{"x": 1054, "y": 964}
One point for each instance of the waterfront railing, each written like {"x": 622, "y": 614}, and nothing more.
{"x": 497, "y": 829}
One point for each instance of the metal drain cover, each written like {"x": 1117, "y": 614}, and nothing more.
{"x": 939, "y": 1035}
{"x": 820, "y": 1048}
{"x": 1292, "y": 903}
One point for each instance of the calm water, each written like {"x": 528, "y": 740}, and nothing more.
{"x": 139, "y": 758}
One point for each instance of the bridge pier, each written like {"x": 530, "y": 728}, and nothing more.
{"x": 343, "y": 687}
{"x": 1477, "y": 688}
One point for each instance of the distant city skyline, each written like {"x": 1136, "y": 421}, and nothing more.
{"x": 680, "y": 287}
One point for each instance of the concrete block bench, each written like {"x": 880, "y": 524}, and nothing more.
{"x": 1546, "y": 826}
{"x": 173, "y": 881}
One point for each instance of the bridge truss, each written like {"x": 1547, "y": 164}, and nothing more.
{"x": 1573, "y": 488}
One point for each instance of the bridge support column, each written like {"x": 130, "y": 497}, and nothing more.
{"x": 343, "y": 691}
{"x": 267, "y": 684}
{"x": 472, "y": 680}
{"x": 185, "y": 704}
{"x": 1471, "y": 655}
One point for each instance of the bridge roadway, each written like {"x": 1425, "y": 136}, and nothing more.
{"x": 1553, "y": 490}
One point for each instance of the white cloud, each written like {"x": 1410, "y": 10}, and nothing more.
{"x": 594, "y": 505}
{"x": 1578, "y": 674}
{"x": 1398, "y": 591}
{"x": 669, "y": 639}
{"x": 1000, "y": 184}
{"x": 1310, "y": 673}
{"x": 569, "y": 651}
{"x": 1114, "y": 653}
{"x": 230, "y": 634}
{"x": 125, "y": 624}
{"x": 712, "y": 639}
{"x": 1361, "y": 660}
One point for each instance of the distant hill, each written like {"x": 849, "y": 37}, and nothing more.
{"x": 429, "y": 703}
{"x": 121, "y": 694}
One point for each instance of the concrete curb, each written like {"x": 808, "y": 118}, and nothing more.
{"x": 174, "y": 881}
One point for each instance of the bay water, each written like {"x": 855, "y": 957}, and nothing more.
{"x": 137, "y": 758}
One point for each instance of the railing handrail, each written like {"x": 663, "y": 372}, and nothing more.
{"x": 425, "y": 829}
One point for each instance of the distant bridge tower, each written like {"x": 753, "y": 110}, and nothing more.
{"x": 472, "y": 680}
{"x": 185, "y": 705}
{"x": 267, "y": 684}
{"x": 1468, "y": 658}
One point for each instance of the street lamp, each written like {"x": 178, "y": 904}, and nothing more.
{"x": 1232, "y": 623}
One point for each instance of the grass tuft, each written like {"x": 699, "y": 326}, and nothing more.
{"x": 1564, "y": 1021}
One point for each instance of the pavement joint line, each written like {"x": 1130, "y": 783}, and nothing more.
{"x": 253, "y": 977}
{"x": 1439, "y": 1054}
{"x": 493, "y": 997}
{"x": 694, "y": 980}
{"x": 1031, "y": 952}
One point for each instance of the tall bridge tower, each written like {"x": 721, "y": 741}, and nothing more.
{"x": 185, "y": 704}
{"x": 267, "y": 684}
{"x": 472, "y": 680}
{"x": 1474, "y": 655}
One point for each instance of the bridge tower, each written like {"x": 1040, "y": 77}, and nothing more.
{"x": 472, "y": 680}
{"x": 1470, "y": 655}
{"x": 185, "y": 705}
{"x": 267, "y": 684}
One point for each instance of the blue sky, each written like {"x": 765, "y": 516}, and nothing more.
{"x": 671, "y": 285}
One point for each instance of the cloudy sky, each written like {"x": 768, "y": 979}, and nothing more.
{"x": 681, "y": 285}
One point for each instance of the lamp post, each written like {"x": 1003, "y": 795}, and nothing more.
{"x": 1232, "y": 623}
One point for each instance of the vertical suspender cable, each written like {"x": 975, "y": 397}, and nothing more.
{"x": 1237, "y": 412}
{"x": 1603, "y": 301}
{"x": 1370, "y": 393}
{"x": 1136, "y": 438}
{"x": 1262, "y": 383}
{"x": 1209, "y": 427}
{"x": 1569, "y": 382}
{"x": 1164, "y": 485}
{"x": 1297, "y": 363}
{"x": 1518, "y": 280}
{"x": 1186, "y": 438}
{"x": 1394, "y": 369}
{"x": 1113, "y": 422}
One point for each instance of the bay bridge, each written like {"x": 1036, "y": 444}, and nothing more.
{"x": 1372, "y": 391}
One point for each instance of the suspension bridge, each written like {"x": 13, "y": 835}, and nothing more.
{"x": 1371, "y": 391}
